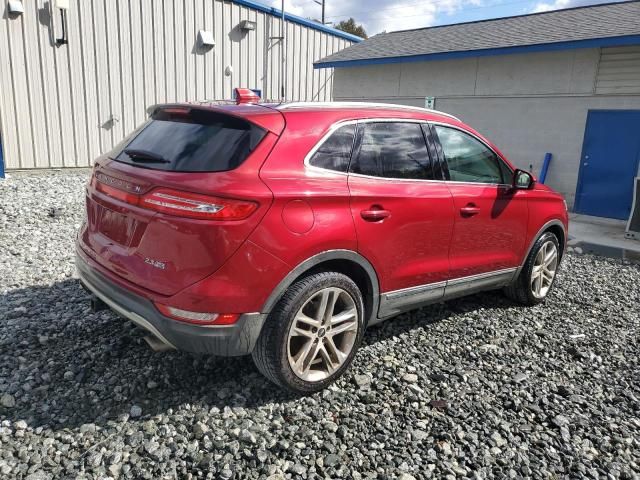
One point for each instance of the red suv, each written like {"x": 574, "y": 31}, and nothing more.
{"x": 284, "y": 230}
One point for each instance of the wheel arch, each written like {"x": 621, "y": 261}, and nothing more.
{"x": 347, "y": 262}
{"x": 558, "y": 231}
{"x": 554, "y": 226}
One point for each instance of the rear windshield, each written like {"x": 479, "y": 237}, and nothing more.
{"x": 190, "y": 140}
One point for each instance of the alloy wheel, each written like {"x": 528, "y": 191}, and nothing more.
{"x": 544, "y": 269}
{"x": 322, "y": 334}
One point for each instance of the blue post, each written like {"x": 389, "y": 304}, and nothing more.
{"x": 545, "y": 167}
{"x": 1, "y": 160}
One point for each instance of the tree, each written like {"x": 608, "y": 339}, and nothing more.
{"x": 351, "y": 27}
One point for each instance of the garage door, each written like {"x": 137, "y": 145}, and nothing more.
{"x": 609, "y": 164}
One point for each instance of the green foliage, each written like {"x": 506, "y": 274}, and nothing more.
{"x": 351, "y": 27}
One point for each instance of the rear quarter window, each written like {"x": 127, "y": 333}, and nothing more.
{"x": 191, "y": 140}
{"x": 335, "y": 152}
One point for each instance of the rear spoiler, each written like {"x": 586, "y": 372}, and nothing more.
{"x": 263, "y": 116}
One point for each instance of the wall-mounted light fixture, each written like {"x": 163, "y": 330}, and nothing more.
{"x": 247, "y": 25}
{"x": 205, "y": 39}
{"x": 16, "y": 8}
{"x": 63, "y": 6}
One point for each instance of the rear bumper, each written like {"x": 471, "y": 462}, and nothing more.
{"x": 233, "y": 340}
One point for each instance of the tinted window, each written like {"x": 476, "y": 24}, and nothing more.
{"x": 191, "y": 140}
{"x": 468, "y": 159}
{"x": 335, "y": 152}
{"x": 392, "y": 150}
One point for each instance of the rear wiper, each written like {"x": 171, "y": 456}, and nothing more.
{"x": 145, "y": 156}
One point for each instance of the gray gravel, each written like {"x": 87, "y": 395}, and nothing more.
{"x": 472, "y": 388}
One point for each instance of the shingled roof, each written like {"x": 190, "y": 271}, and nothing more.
{"x": 596, "y": 25}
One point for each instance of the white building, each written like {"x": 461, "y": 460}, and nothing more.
{"x": 68, "y": 94}
{"x": 564, "y": 82}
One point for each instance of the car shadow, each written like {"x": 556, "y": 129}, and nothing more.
{"x": 61, "y": 365}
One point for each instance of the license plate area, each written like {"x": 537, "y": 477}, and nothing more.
{"x": 116, "y": 226}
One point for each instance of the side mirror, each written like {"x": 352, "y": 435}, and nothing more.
{"x": 523, "y": 180}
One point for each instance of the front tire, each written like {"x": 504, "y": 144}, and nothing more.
{"x": 538, "y": 274}
{"x": 312, "y": 334}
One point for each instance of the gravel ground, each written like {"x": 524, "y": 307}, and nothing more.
{"x": 472, "y": 388}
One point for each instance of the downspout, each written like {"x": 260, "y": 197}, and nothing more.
{"x": 283, "y": 58}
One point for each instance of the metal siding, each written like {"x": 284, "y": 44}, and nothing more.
{"x": 199, "y": 57}
{"x": 62, "y": 106}
{"x": 138, "y": 85}
{"x": 36, "y": 102}
{"x": 619, "y": 70}
{"x": 209, "y": 60}
{"x": 10, "y": 133}
{"x": 19, "y": 83}
{"x": 261, "y": 48}
{"x": 65, "y": 96}
{"x": 217, "y": 52}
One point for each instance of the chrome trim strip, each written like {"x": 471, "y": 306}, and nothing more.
{"x": 480, "y": 276}
{"x": 134, "y": 317}
{"x": 473, "y": 283}
{"x": 286, "y": 106}
{"x": 414, "y": 290}
{"x": 342, "y": 123}
{"x": 398, "y": 301}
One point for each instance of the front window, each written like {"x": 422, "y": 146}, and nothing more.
{"x": 468, "y": 159}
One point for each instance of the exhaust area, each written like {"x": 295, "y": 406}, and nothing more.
{"x": 156, "y": 344}
{"x": 97, "y": 305}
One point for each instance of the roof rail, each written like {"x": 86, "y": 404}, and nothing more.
{"x": 284, "y": 106}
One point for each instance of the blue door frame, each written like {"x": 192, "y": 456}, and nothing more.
{"x": 609, "y": 163}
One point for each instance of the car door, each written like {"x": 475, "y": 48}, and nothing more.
{"x": 491, "y": 218}
{"x": 403, "y": 218}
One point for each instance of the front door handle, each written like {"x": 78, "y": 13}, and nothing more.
{"x": 469, "y": 210}
{"x": 375, "y": 214}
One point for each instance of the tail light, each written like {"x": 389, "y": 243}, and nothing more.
{"x": 198, "y": 318}
{"x": 181, "y": 203}
{"x": 193, "y": 205}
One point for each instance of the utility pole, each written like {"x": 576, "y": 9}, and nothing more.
{"x": 321, "y": 2}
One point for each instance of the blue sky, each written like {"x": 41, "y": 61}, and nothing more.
{"x": 390, "y": 15}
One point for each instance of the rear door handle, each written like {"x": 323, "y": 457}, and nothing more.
{"x": 375, "y": 214}
{"x": 469, "y": 210}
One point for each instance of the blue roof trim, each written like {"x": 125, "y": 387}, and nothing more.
{"x": 543, "y": 47}
{"x": 299, "y": 20}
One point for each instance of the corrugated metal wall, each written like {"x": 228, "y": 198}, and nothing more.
{"x": 61, "y": 106}
{"x": 619, "y": 70}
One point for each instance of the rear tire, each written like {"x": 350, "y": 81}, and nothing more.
{"x": 311, "y": 336}
{"x": 538, "y": 274}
